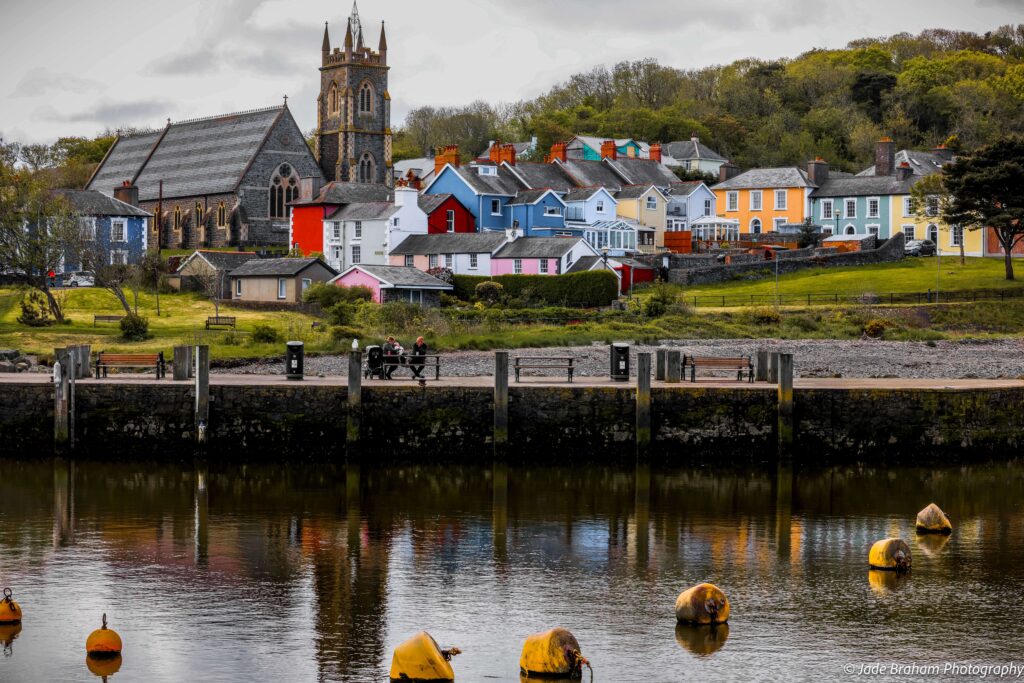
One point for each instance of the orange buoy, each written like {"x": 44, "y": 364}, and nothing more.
{"x": 420, "y": 659}
{"x": 8, "y": 633}
{"x": 703, "y": 639}
{"x": 552, "y": 654}
{"x": 932, "y": 520}
{"x": 705, "y": 603}
{"x": 10, "y": 611}
{"x": 103, "y": 666}
{"x": 103, "y": 642}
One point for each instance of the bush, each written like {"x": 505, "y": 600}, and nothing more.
{"x": 265, "y": 334}
{"x": 134, "y": 327}
{"x": 765, "y": 315}
{"x": 448, "y": 300}
{"x": 35, "y": 311}
{"x": 342, "y": 313}
{"x": 489, "y": 291}
{"x": 445, "y": 275}
{"x": 658, "y": 304}
{"x": 343, "y": 335}
{"x": 875, "y": 328}
{"x": 588, "y": 289}
{"x": 329, "y": 295}
{"x": 230, "y": 339}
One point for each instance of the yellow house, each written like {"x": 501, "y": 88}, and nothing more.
{"x": 947, "y": 240}
{"x": 764, "y": 199}
{"x": 646, "y": 205}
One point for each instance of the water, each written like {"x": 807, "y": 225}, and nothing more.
{"x": 314, "y": 573}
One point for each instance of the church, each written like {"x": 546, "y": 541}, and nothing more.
{"x": 229, "y": 180}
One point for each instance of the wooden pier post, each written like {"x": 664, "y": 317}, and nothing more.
{"x": 202, "y": 373}
{"x": 643, "y": 406}
{"x": 761, "y": 368}
{"x": 773, "y": 368}
{"x": 673, "y": 366}
{"x": 182, "y": 365}
{"x": 500, "y": 403}
{"x": 83, "y": 360}
{"x": 355, "y": 399}
{"x": 659, "y": 364}
{"x": 785, "y": 428}
{"x": 61, "y": 398}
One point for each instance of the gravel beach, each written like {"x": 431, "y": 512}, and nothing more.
{"x": 1003, "y": 358}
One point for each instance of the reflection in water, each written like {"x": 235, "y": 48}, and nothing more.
{"x": 8, "y": 634}
{"x": 103, "y": 666}
{"x": 702, "y": 640}
{"x": 315, "y": 572}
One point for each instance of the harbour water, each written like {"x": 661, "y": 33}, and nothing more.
{"x": 227, "y": 572}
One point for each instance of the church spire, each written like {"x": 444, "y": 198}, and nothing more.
{"x": 383, "y": 39}
{"x": 327, "y": 41}
{"x": 357, "y": 27}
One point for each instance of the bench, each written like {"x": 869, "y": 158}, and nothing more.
{"x": 106, "y": 319}
{"x": 220, "y": 321}
{"x": 738, "y": 364}
{"x": 105, "y": 360}
{"x": 544, "y": 363}
{"x": 430, "y": 360}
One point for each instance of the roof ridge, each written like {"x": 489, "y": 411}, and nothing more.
{"x": 224, "y": 116}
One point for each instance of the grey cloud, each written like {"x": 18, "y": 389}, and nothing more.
{"x": 111, "y": 113}
{"x": 41, "y": 81}
{"x": 190, "y": 63}
{"x": 1007, "y": 4}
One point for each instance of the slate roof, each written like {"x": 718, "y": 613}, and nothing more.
{"x": 684, "y": 189}
{"x": 364, "y": 211}
{"x": 95, "y": 203}
{"x": 428, "y": 203}
{"x": 424, "y": 166}
{"x": 205, "y": 156}
{"x": 531, "y": 196}
{"x": 222, "y": 260}
{"x": 865, "y": 186}
{"x": 123, "y": 161}
{"x": 592, "y": 174}
{"x": 504, "y": 183}
{"x": 537, "y": 247}
{"x": 923, "y": 163}
{"x": 450, "y": 243}
{"x": 403, "y": 276}
{"x": 583, "y": 264}
{"x": 543, "y": 175}
{"x": 633, "y": 191}
{"x": 349, "y": 193}
{"x": 581, "y": 194}
{"x": 690, "y": 149}
{"x": 277, "y": 267}
{"x": 639, "y": 171}
{"x": 787, "y": 176}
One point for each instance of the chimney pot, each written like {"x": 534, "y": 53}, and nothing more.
{"x": 885, "y": 157}
{"x": 655, "y": 153}
{"x": 609, "y": 150}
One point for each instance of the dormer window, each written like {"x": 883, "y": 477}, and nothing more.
{"x": 552, "y": 211}
{"x": 487, "y": 170}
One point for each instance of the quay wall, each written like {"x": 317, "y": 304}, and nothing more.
{"x": 559, "y": 424}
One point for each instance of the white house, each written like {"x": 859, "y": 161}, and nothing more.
{"x": 593, "y": 210}
{"x": 365, "y": 232}
{"x": 692, "y": 155}
{"x": 688, "y": 202}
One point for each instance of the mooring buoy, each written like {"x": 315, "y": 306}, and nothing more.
{"x": 704, "y": 603}
{"x": 103, "y": 642}
{"x": 421, "y": 659}
{"x": 890, "y": 554}
{"x": 553, "y": 654}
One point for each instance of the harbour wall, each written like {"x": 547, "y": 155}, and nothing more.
{"x": 547, "y": 424}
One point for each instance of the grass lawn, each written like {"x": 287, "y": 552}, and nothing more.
{"x": 182, "y": 321}
{"x": 908, "y": 275}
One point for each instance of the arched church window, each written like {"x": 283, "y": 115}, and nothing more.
{"x": 332, "y": 99}
{"x": 177, "y": 218}
{"x": 199, "y": 213}
{"x": 283, "y": 189}
{"x": 222, "y": 215}
{"x": 366, "y": 99}
{"x": 367, "y": 168}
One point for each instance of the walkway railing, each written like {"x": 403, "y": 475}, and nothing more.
{"x": 866, "y": 298}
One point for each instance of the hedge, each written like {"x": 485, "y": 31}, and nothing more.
{"x": 587, "y": 289}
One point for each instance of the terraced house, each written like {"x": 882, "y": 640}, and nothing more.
{"x": 765, "y": 199}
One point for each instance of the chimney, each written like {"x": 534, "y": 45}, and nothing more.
{"x": 127, "y": 193}
{"x": 558, "y": 151}
{"x": 727, "y": 170}
{"x": 609, "y": 150}
{"x": 494, "y": 151}
{"x": 904, "y": 171}
{"x": 405, "y": 195}
{"x": 655, "y": 154}
{"x": 885, "y": 156}
{"x": 413, "y": 180}
{"x": 508, "y": 153}
{"x": 310, "y": 187}
{"x": 943, "y": 152}
{"x": 817, "y": 171}
{"x": 449, "y": 154}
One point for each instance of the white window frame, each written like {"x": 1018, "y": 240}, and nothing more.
{"x": 760, "y": 226}
{"x": 850, "y": 229}
{"x": 450, "y": 220}
{"x": 395, "y": 221}
{"x": 543, "y": 266}
{"x": 432, "y": 261}
{"x": 517, "y": 266}
{"x": 116, "y": 223}
{"x": 826, "y": 230}
{"x": 783, "y": 205}
{"x": 878, "y": 207}
{"x": 956, "y": 235}
{"x": 732, "y": 201}
{"x": 87, "y": 228}
{"x": 238, "y": 286}
{"x": 552, "y": 211}
{"x": 357, "y": 254}
{"x": 336, "y": 229}
{"x": 831, "y": 210}
{"x": 931, "y": 207}
{"x": 357, "y": 230}
{"x": 410, "y": 261}
{"x": 777, "y": 224}
{"x": 474, "y": 261}
{"x": 846, "y": 208}
{"x": 707, "y": 207}
{"x": 306, "y": 284}
{"x": 414, "y": 296}
{"x": 759, "y": 204}
{"x": 449, "y": 260}
{"x": 600, "y": 206}
{"x": 495, "y": 203}
{"x": 568, "y": 261}
{"x": 282, "y": 287}
{"x": 874, "y": 229}
{"x": 118, "y": 257}
{"x": 909, "y": 231}
{"x": 908, "y": 207}
{"x": 652, "y": 203}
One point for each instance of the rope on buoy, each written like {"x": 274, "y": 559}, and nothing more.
{"x": 450, "y": 652}
{"x": 580, "y": 661}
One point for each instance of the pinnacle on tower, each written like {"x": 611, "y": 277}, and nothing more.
{"x": 327, "y": 40}
{"x": 348, "y": 36}
{"x": 357, "y": 27}
{"x": 383, "y": 39}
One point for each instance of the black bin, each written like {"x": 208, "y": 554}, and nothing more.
{"x": 620, "y": 362}
{"x": 294, "y": 359}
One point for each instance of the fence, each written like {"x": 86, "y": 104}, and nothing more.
{"x": 929, "y": 297}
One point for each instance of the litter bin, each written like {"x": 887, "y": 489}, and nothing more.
{"x": 620, "y": 362}
{"x": 294, "y": 359}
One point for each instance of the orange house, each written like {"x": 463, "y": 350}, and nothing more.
{"x": 763, "y": 199}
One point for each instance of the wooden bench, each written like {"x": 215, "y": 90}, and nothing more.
{"x": 739, "y": 364}
{"x": 220, "y": 321}
{"x": 430, "y": 360}
{"x": 544, "y": 363}
{"x": 105, "y": 360}
{"x": 106, "y": 319}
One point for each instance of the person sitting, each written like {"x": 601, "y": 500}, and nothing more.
{"x": 392, "y": 356}
{"x": 416, "y": 360}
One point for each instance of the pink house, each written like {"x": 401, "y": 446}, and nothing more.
{"x": 546, "y": 256}
{"x": 395, "y": 283}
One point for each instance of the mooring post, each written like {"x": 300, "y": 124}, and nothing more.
{"x": 500, "y": 402}
{"x": 773, "y": 367}
{"x": 659, "y": 365}
{"x": 182, "y": 366}
{"x": 202, "y": 512}
{"x": 72, "y": 356}
{"x": 643, "y": 405}
{"x": 785, "y": 407}
{"x": 61, "y": 396}
{"x": 673, "y": 366}
{"x": 202, "y": 358}
{"x": 355, "y": 398}
{"x": 83, "y": 361}
{"x": 761, "y": 369}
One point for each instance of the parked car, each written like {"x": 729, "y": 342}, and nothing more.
{"x": 79, "y": 279}
{"x": 919, "y": 248}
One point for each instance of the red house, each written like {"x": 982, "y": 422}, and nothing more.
{"x": 307, "y": 226}
{"x": 445, "y": 213}
{"x": 633, "y": 272}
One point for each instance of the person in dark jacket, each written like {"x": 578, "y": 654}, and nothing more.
{"x": 392, "y": 356}
{"x": 416, "y": 360}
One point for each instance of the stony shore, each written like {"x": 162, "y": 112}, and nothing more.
{"x": 1003, "y": 358}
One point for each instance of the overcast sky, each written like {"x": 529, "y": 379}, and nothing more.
{"x": 75, "y": 67}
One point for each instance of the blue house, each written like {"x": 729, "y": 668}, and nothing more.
{"x": 540, "y": 213}
{"x": 116, "y": 231}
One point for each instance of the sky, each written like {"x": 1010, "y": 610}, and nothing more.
{"x": 77, "y": 67}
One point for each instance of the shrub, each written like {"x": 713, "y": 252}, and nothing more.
{"x": 265, "y": 334}
{"x": 134, "y": 327}
{"x": 344, "y": 334}
{"x": 449, "y": 301}
{"x": 35, "y": 311}
{"x": 662, "y": 297}
{"x": 342, "y": 313}
{"x": 329, "y": 295}
{"x": 765, "y": 315}
{"x": 489, "y": 291}
{"x": 587, "y": 289}
{"x": 230, "y": 339}
{"x": 443, "y": 274}
{"x": 875, "y": 328}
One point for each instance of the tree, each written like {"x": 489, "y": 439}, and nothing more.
{"x": 931, "y": 201}
{"x": 987, "y": 190}
{"x": 36, "y": 156}
{"x": 810, "y": 234}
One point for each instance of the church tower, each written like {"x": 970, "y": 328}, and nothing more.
{"x": 353, "y": 133}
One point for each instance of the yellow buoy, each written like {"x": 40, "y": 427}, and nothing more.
{"x": 552, "y": 654}
{"x": 886, "y": 582}
{"x": 702, "y": 640}
{"x": 103, "y": 666}
{"x": 10, "y": 611}
{"x": 103, "y": 642}
{"x": 705, "y": 603}
{"x": 892, "y": 554}
{"x": 932, "y": 520}
{"x": 420, "y": 659}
